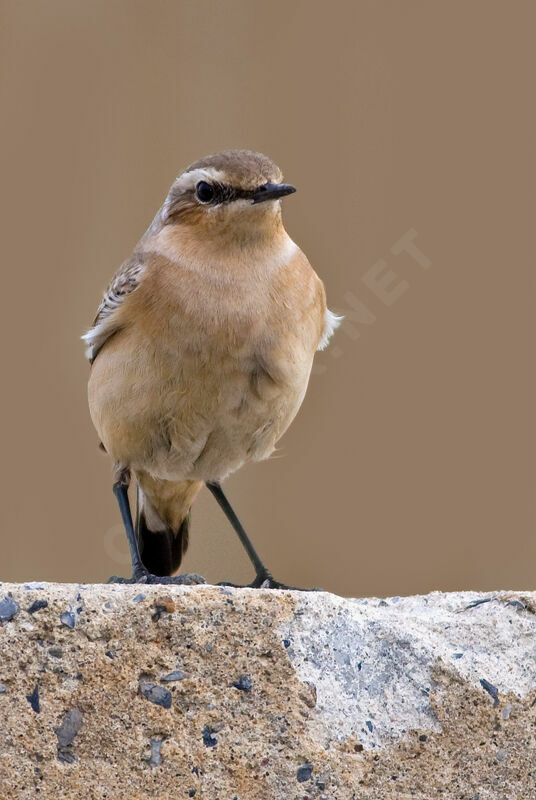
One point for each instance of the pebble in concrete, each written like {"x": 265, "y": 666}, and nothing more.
{"x": 304, "y": 773}
{"x": 156, "y": 747}
{"x": 208, "y": 739}
{"x": 68, "y": 619}
{"x": 176, "y": 675}
{"x": 33, "y": 699}
{"x": 70, "y": 725}
{"x": 156, "y": 694}
{"x": 243, "y": 683}
{"x": 8, "y": 608}
{"x": 37, "y": 605}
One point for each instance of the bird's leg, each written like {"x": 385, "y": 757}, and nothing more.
{"x": 263, "y": 577}
{"x": 140, "y": 573}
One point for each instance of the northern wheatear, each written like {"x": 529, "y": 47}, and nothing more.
{"x": 201, "y": 351}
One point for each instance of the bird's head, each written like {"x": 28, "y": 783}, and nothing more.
{"x": 235, "y": 193}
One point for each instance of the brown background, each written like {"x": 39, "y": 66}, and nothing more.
{"x": 409, "y": 466}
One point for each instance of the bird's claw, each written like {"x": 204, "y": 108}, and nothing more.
{"x": 188, "y": 579}
{"x": 266, "y": 581}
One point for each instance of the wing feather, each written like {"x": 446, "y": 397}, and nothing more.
{"x": 105, "y": 324}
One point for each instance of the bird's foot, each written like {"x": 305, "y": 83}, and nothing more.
{"x": 264, "y": 580}
{"x": 189, "y": 579}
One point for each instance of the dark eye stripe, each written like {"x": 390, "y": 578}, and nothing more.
{"x": 244, "y": 194}
{"x": 223, "y": 193}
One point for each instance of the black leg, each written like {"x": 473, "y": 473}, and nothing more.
{"x": 263, "y": 577}
{"x": 140, "y": 573}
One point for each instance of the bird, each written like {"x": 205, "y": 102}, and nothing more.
{"x": 201, "y": 352}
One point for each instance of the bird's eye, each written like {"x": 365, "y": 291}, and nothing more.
{"x": 204, "y": 192}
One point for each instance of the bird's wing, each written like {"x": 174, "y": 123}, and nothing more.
{"x": 106, "y": 321}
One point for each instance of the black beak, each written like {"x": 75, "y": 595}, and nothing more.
{"x": 271, "y": 191}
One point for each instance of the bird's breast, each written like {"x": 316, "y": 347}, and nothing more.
{"x": 206, "y": 373}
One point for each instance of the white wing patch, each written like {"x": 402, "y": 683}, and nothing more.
{"x": 331, "y": 323}
{"x": 104, "y": 325}
{"x": 96, "y": 336}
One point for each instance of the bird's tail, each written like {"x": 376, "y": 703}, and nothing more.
{"x": 163, "y": 519}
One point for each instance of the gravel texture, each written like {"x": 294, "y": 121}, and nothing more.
{"x": 238, "y": 694}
